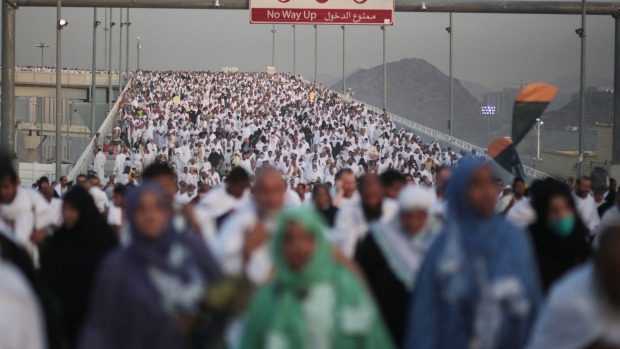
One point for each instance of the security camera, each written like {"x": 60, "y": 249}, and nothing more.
{"x": 217, "y": 3}
{"x": 580, "y": 32}
{"x": 423, "y": 6}
{"x": 97, "y": 23}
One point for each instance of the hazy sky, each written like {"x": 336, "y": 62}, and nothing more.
{"x": 489, "y": 49}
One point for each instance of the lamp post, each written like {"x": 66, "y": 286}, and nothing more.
{"x": 42, "y": 46}
{"x": 93, "y": 83}
{"x": 539, "y": 124}
{"x": 110, "y": 92}
{"x": 273, "y": 45}
{"x": 7, "y": 130}
{"x": 451, "y": 97}
{"x": 294, "y": 51}
{"x": 344, "y": 51}
{"x": 488, "y": 111}
{"x": 128, "y": 24}
{"x": 581, "y": 32}
{"x": 316, "y": 52}
{"x": 384, "y": 72}
{"x": 139, "y": 48}
{"x": 105, "y": 37}
{"x": 60, "y": 23}
{"x": 120, "y": 51}
{"x": 610, "y": 93}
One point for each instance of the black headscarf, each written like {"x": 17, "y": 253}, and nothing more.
{"x": 555, "y": 254}
{"x": 70, "y": 259}
{"x": 329, "y": 213}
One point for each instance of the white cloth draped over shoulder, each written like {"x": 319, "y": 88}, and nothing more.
{"x": 351, "y": 225}
{"x": 21, "y": 318}
{"x": 575, "y": 317}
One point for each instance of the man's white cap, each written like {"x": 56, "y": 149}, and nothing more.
{"x": 413, "y": 197}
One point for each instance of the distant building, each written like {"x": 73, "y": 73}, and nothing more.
{"x": 503, "y": 102}
{"x": 562, "y": 164}
{"x": 594, "y": 91}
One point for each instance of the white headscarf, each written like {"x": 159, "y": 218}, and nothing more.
{"x": 403, "y": 253}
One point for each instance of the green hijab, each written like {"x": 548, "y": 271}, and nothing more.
{"x": 322, "y": 306}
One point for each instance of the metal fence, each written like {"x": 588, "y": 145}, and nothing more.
{"x": 87, "y": 157}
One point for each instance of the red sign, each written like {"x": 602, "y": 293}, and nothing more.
{"x": 349, "y": 12}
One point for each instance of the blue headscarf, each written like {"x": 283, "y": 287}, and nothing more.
{"x": 168, "y": 258}
{"x": 478, "y": 279}
{"x": 460, "y": 212}
{"x": 170, "y": 237}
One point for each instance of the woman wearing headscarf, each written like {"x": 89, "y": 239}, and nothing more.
{"x": 313, "y": 302}
{"x": 582, "y": 309}
{"x": 147, "y": 294}
{"x": 71, "y": 258}
{"x": 559, "y": 236}
{"x": 323, "y": 204}
{"x": 478, "y": 285}
{"x": 391, "y": 255}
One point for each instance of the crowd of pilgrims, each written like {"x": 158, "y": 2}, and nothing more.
{"x": 210, "y": 122}
{"x": 257, "y": 211}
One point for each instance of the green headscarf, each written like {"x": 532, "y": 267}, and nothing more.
{"x": 342, "y": 315}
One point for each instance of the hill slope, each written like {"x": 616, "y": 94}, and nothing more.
{"x": 419, "y": 91}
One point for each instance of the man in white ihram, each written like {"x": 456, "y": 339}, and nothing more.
{"x": 586, "y": 206}
{"x": 99, "y": 163}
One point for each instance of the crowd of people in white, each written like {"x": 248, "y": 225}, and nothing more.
{"x": 221, "y": 156}
{"x": 206, "y": 123}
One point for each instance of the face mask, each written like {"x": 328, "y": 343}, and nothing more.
{"x": 562, "y": 227}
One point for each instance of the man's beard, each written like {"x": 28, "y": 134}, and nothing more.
{"x": 372, "y": 213}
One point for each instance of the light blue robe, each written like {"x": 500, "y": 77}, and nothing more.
{"x": 478, "y": 286}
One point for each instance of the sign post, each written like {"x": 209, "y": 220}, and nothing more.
{"x": 337, "y": 12}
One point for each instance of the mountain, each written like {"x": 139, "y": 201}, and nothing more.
{"x": 418, "y": 91}
{"x": 598, "y": 109}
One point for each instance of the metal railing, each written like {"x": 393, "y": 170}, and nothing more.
{"x": 87, "y": 157}
{"x": 440, "y": 136}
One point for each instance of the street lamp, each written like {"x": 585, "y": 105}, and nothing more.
{"x": 138, "y": 55}
{"x": 451, "y": 85}
{"x": 93, "y": 74}
{"x": 120, "y": 51}
{"x": 344, "y": 77}
{"x": 60, "y": 24}
{"x": 539, "y": 124}
{"x": 316, "y": 52}
{"x": 581, "y": 32}
{"x": 42, "y": 46}
{"x": 610, "y": 93}
{"x": 273, "y": 45}
{"x": 105, "y": 36}
{"x": 488, "y": 111}
{"x": 110, "y": 91}
{"x": 384, "y": 72}
{"x": 127, "y": 24}
{"x": 294, "y": 51}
